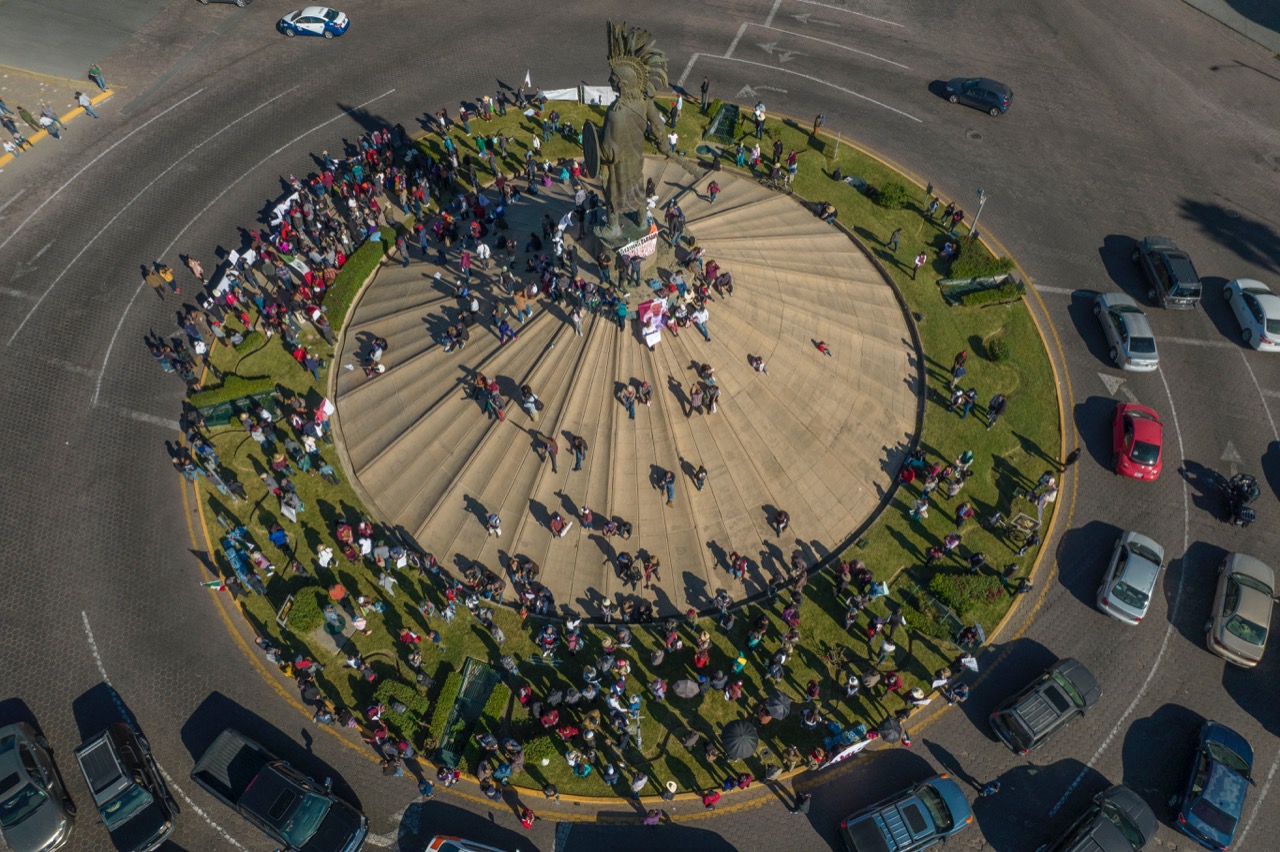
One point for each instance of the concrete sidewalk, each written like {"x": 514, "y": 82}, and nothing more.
{"x": 25, "y": 89}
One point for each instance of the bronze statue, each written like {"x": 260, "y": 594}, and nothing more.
{"x": 637, "y": 68}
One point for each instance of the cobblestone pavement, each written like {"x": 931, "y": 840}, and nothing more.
{"x": 1133, "y": 117}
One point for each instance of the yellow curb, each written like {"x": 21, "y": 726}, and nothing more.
{"x": 6, "y": 159}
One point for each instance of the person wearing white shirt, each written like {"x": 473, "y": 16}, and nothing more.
{"x": 700, "y": 317}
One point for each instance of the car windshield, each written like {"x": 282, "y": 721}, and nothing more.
{"x": 937, "y": 808}
{"x": 118, "y": 811}
{"x": 305, "y": 820}
{"x": 1212, "y": 817}
{"x": 1273, "y": 326}
{"x": 1246, "y": 630}
{"x": 1227, "y": 757}
{"x": 1144, "y": 552}
{"x": 1069, "y": 688}
{"x": 1122, "y": 822}
{"x": 1252, "y": 583}
{"x": 1144, "y": 453}
{"x": 1128, "y": 595}
{"x": 1187, "y": 291}
{"x": 332, "y": 15}
{"x": 21, "y": 804}
{"x": 1142, "y": 345}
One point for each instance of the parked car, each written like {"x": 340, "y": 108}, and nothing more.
{"x": 1237, "y": 629}
{"x": 1045, "y": 706}
{"x": 444, "y": 843}
{"x": 1125, "y": 593}
{"x": 298, "y": 814}
{"x": 986, "y": 95}
{"x": 1213, "y": 797}
{"x": 1257, "y": 310}
{"x": 131, "y": 796}
{"x": 1170, "y": 275}
{"x": 1117, "y": 821}
{"x": 1137, "y": 441}
{"x": 36, "y": 814}
{"x": 241, "y": 3}
{"x": 314, "y": 21}
{"x": 913, "y": 819}
{"x": 1129, "y": 336}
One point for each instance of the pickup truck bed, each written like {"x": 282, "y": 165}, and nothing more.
{"x": 229, "y": 766}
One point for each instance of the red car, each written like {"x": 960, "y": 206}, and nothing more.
{"x": 1137, "y": 441}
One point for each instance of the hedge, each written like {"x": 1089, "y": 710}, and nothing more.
{"x": 351, "y": 278}
{"x": 963, "y": 592}
{"x": 415, "y": 702}
{"x": 251, "y": 342}
{"x": 997, "y": 348}
{"x": 494, "y": 713}
{"x": 444, "y": 703}
{"x": 232, "y": 387}
{"x": 975, "y": 262}
{"x": 894, "y": 196}
{"x": 1009, "y": 291}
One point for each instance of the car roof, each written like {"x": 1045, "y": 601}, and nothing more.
{"x": 1139, "y": 325}
{"x": 1081, "y": 678}
{"x": 1159, "y": 243}
{"x": 1137, "y": 571}
{"x": 1145, "y": 541}
{"x": 1111, "y": 300}
{"x": 1267, "y": 299}
{"x": 1134, "y": 807}
{"x": 1217, "y": 732}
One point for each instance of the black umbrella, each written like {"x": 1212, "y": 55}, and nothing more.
{"x": 686, "y": 688}
{"x": 778, "y": 705}
{"x": 740, "y": 739}
{"x": 890, "y": 730}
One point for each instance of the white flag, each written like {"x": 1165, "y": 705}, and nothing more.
{"x": 527, "y": 82}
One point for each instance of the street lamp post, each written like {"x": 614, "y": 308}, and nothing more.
{"x": 982, "y": 202}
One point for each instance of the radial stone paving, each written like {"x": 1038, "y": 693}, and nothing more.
{"x": 816, "y": 436}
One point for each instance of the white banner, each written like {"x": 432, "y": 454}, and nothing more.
{"x": 643, "y": 247}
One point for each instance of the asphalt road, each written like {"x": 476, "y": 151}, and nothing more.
{"x": 1130, "y": 117}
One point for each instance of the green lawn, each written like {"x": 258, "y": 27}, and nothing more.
{"x": 1013, "y": 454}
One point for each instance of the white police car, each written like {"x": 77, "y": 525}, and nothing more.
{"x": 314, "y": 21}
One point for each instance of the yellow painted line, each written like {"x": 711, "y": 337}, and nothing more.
{"x": 6, "y": 159}
{"x": 47, "y": 78}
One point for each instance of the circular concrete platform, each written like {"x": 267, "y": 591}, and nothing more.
{"x": 817, "y": 436}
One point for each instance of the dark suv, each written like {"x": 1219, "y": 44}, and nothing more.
{"x": 1059, "y": 695}
{"x": 132, "y": 799}
{"x": 1117, "y": 821}
{"x": 1170, "y": 275}
{"x": 980, "y": 93}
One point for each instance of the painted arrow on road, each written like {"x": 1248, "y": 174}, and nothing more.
{"x": 1115, "y": 385}
{"x": 21, "y": 269}
{"x": 807, "y": 18}
{"x": 746, "y": 92}
{"x": 1232, "y": 457}
{"x": 782, "y": 55}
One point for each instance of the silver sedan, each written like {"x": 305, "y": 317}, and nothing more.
{"x": 1130, "y": 581}
{"x": 1257, "y": 310}
{"x": 1132, "y": 346}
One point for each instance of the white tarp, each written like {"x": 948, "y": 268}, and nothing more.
{"x": 602, "y": 95}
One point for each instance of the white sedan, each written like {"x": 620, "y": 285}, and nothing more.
{"x": 1257, "y": 310}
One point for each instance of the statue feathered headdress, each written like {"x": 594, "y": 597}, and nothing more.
{"x": 634, "y": 48}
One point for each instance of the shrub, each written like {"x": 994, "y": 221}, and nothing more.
{"x": 976, "y": 262}
{"x": 416, "y": 704}
{"x": 1010, "y": 291}
{"x": 494, "y": 712}
{"x": 444, "y": 703}
{"x": 893, "y": 196}
{"x": 539, "y": 748}
{"x": 357, "y": 269}
{"x": 307, "y": 612}
{"x": 926, "y": 624}
{"x": 232, "y": 387}
{"x": 997, "y": 348}
{"x": 964, "y": 592}
{"x": 714, "y": 107}
{"x": 251, "y": 342}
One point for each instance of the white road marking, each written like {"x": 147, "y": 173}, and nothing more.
{"x": 848, "y": 11}
{"x": 1195, "y": 341}
{"x": 807, "y": 18}
{"x": 1257, "y": 804}
{"x": 17, "y": 294}
{"x": 97, "y": 391}
{"x": 783, "y": 55}
{"x": 142, "y": 416}
{"x": 120, "y": 141}
{"x": 733, "y": 45}
{"x": 1057, "y": 291}
{"x": 18, "y": 195}
{"x": 122, "y": 210}
{"x": 1115, "y": 384}
{"x": 688, "y": 68}
{"x": 1173, "y": 613}
{"x": 1271, "y": 393}
{"x": 1261, "y": 395}
{"x": 831, "y": 44}
{"x": 769, "y": 20}
{"x": 173, "y": 785}
{"x": 839, "y": 88}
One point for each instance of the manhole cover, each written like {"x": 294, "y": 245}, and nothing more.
{"x": 974, "y": 135}
{"x": 1231, "y": 214}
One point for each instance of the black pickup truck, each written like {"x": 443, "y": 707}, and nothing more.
{"x": 293, "y": 810}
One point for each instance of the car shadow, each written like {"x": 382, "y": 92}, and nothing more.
{"x": 1082, "y": 317}
{"x": 1116, "y": 254}
{"x": 424, "y": 820}
{"x": 1189, "y": 584}
{"x": 1218, "y": 310}
{"x": 1083, "y": 556}
{"x": 1093, "y": 417}
{"x": 1206, "y": 487}
{"x": 218, "y": 712}
{"x": 1156, "y": 752}
{"x": 1027, "y": 789}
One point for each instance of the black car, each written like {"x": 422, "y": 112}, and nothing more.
{"x": 1117, "y": 821}
{"x": 131, "y": 796}
{"x": 1059, "y": 695}
{"x": 1170, "y": 274}
{"x": 986, "y": 95}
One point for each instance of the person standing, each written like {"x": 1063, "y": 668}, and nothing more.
{"x": 47, "y": 125}
{"x": 672, "y": 139}
{"x": 528, "y": 817}
{"x": 628, "y": 399}
{"x": 579, "y": 447}
{"x": 713, "y": 189}
{"x": 803, "y": 801}
{"x": 10, "y": 148}
{"x": 893, "y": 240}
{"x": 818, "y": 120}
{"x": 493, "y": 524}
{"x": 95, "y": 74}
{"x": 669, "y": 487}
{"x": 700, "y": 318}
{"x": 196, "y": 269}
{"x": 25, "y": 115}
{"x": 921, "y": 260}
{"x": 654, "y": 816}
{"x": 989, "y": 789}
{"x": 704, "y": 88}
{"x": 996, "y": 407}
{"x": 552, "y": 449}
{"x": 700, "y": 477}
{"x": 1072, "y": 458}
{"x": 48, "y": 112}
{"x": 86, "y": 104}
{"x": 695, "y": 400}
